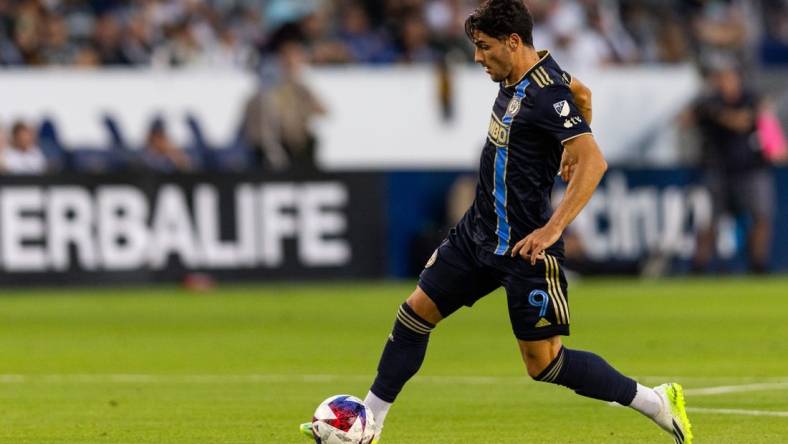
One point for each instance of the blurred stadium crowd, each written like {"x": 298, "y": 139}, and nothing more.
{"x": 174, "y": 33}
{"x": 277, "y": 38}
{"x": 729, "y": 41}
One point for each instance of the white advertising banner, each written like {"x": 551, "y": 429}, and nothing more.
{"x": 77, "y": 101}
{"x": 379, "y": 118}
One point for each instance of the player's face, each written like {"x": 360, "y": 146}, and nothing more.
{"x": 495, "y": 55}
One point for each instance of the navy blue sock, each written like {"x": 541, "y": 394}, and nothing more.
{"x": 589, "y": 375}
{"x": 403, "y": 354}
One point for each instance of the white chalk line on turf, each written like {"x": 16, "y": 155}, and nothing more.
{"x": 737, "y": 412}
{"x": 742, "y": 388}
{"x": 781, "y": 384}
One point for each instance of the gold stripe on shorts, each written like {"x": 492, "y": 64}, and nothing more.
{"x": 562, "y": 314}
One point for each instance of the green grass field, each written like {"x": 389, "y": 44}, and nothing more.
{"x": 247, "y": 364}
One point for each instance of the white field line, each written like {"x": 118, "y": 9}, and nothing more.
{"x": 743, "y": 388}
{"x": 737, "y": 412}
{"x": 468, "y": 380}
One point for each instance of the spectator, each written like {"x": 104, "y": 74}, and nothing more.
{"x": 446, "y": 20}
{"x": 414, "y": 39}
{"x": 737, "y": 172}
{"x": 719, "y": 29}
{"x": 572, "y": 41}
{"x": 86, "y": 57}
{"x": 59, "y": 50}
{"x": 671, "y": 44}
{"x": 160, "y": 153}
{"x": 137, "y": 46}
{"x": 278, "y": 117}
{"x": 107, "y": 41}
{"x": 27, "y": 30}
{"x": 323, "y": 46}
{"x": 605, "y": 24}
{"x": 364, "y": 44}
{"x": 23, "y": 155}
{"x": 775, "y": 18}
{"x": 229, "y": 50}
{"x": 9, "y": 53}
{"x": 182, "y": 33}
{"x": 248, "y": 24}
{"x": 182, "y": 47}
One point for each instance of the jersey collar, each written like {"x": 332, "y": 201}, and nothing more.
{"x": 543, "y": 55}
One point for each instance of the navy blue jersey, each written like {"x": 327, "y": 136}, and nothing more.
{"x": 530, "y": 122}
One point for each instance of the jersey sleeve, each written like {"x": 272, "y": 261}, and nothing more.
{"x": 556, "y": 113}
{"x": 566, "y": 77}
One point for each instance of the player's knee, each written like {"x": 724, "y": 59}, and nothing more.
{"x": 535, "y": 365}
{"x": 410, "y": 327}
{"x": 538, "y": 355}
{"x": 424, "y": 307}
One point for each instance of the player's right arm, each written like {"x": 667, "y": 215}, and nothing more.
{"x": 589, "y": 169}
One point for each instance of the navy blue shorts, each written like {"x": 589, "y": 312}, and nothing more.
{"x": 460, "y": 273}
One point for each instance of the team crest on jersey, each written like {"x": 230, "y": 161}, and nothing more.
{"x": 562, "y": 108}
{"x": 514, "y": 107}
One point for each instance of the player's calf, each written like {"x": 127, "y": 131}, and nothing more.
{"x": 588, "y": 375}
{"x": 403, "y": 354}
{"x": 402, "y": 357}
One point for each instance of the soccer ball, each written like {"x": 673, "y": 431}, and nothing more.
{"x": 343, "y": 419}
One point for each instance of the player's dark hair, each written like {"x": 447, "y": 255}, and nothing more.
{"x": 500, "y": 19}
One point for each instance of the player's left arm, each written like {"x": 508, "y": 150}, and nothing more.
{"x": 582, "y": 95}
{"x": 589, "y": 167}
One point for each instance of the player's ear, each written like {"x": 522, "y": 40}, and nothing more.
{"x": 514, "y": 41}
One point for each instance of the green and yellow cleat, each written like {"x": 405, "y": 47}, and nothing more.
{"x": 306, "y": 430}
{"x": 673, "y": 416}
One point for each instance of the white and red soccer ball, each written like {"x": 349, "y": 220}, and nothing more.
{"x": 343, "y": 419}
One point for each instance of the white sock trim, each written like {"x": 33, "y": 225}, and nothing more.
{"x": 379, "y": 407}
{"x": 647, "y": 401}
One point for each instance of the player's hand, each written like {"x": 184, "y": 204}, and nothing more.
{"x": 532, "y": 247}
{"x": 567, "y": 169}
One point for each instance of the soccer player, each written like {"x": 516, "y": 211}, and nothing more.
{"x": 539, "y": 125}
